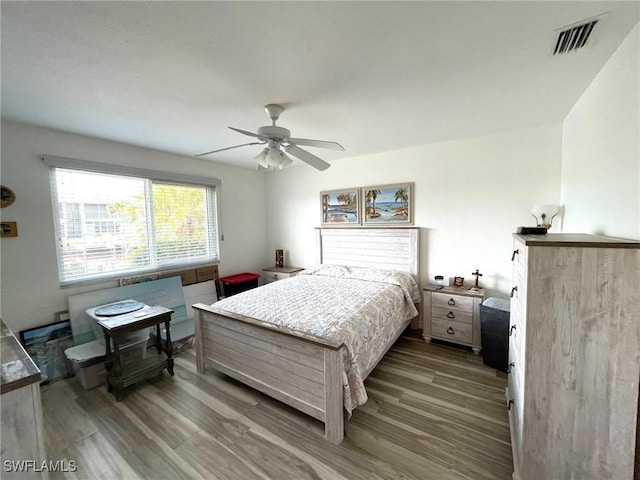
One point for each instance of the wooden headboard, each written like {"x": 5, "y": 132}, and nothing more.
{"x": 387, "y": 248}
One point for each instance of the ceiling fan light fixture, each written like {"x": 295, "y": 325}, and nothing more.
{"x": 285, "y": 161}
{"x": 262, "y": 158}
{"x": 273, "y": 157}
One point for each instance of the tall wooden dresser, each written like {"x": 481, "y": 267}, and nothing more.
{"x": 574, "y": 353}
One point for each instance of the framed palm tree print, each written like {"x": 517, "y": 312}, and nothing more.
{"x": 340, "y": 208}
{"x": 388, "y": 204}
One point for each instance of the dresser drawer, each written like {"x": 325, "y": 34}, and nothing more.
{"x": 515, "y": 399}
{"x": 516, "y": 353}
{"x": 519, "y": 256}
{"x": 516, "y": 314}
{"x": 451, "y": 331}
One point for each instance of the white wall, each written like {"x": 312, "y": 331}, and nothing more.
{"x": 601, "y": 150}
{"x": 30, "y": 290}
{"x": 470, "y": 195}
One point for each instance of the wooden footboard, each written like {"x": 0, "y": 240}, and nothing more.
{"x": 302, "y": 371}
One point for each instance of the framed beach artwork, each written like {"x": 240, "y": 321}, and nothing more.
{"x": 46, "y": 345}
{"x": 388, "y": 204}
{"x": 340, "y": 208}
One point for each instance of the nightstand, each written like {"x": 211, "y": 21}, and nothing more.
{"x": 272, "y": 274}
{"x": 453, "y": 314}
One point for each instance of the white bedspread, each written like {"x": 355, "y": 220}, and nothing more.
{"x": 359, "y": 307}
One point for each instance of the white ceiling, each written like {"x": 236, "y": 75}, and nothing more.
{"x": 374, "y": 76}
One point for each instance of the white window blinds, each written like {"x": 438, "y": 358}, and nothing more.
{"x": 111, "y": 224}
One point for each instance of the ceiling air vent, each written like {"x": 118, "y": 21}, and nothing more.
{"x": 574, "y": 37}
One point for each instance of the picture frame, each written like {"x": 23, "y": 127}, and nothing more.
{"x": 458, "y": 281}
{"x": 340, "y": 208}
{"x": 7, "y": 197}
{"x": 8, "y": 229}
{"x": 388, "y": 204}
{"x": 46, "y": 345}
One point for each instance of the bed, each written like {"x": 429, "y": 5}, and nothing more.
{"x": 311, "y": 340}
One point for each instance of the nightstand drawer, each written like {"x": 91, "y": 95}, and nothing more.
{"x": 274, "y": 274}
{"x": 450, "y": 302}
{"x": 269, "y": 277}
{"x": 451, "y": 315}
{"x": 451, "y": 331}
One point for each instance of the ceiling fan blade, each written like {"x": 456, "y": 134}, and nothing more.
{"x": 307, "y": 157}
{"x": 229, "y": 148}
{"x": 244, "y": 132}
{"x": 316, "y": 143}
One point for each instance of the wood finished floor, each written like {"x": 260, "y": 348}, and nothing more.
{"x": 434, "y": 412}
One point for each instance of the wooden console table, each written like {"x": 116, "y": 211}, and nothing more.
{"x": 120, "y": 376}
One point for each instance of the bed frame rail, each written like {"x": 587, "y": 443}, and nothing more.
{"x": 301, "y": 371}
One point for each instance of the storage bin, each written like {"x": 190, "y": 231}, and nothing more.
{"x": 239, "y": 282}
{"x": 88, "y": 360}
{"x": 494, "y": 331}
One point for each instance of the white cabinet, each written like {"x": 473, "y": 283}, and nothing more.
{"x": 453, "y": 314}
{"x": 272, "y": 274}
{"x": 574, "y": 356}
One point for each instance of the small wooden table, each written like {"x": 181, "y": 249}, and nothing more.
{"x": 120, "y": 376}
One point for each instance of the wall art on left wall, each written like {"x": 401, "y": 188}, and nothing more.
{"x": 8, "y": 229}
{"x": 7, "y": 197}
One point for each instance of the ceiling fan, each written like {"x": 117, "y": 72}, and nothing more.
{"x": 278, "y": 138}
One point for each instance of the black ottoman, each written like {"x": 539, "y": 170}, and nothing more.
{"x": 494, "y": 330}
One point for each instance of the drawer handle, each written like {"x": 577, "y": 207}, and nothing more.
{"x": 515, "y": 252}
{"x": 513, "y": 327}
{"x": 513, "y": 290}
{"x": 275, "y": 276}
{"x": 511, "y": 365}
{"x": 450, "y": 331}
{"x": 451, "y": 315}
{"x": 451, "y": 302}
{"x": 511, "y": 402}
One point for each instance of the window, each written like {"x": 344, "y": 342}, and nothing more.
{"x": 124, "y": 221}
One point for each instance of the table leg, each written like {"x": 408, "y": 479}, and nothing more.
{"x": 117, "y": 370}
{"x": 169, "y": 346}
{"x": 158, "y": 339}
{"x": 108, "y": 363}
